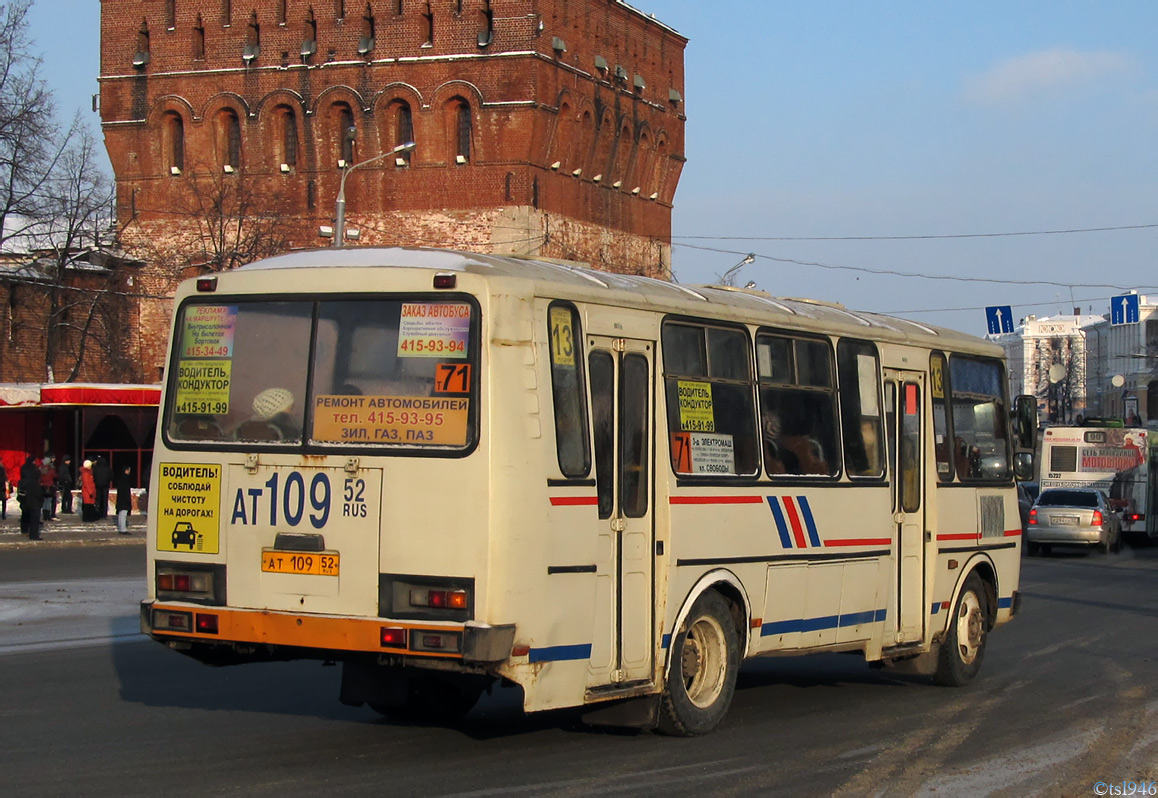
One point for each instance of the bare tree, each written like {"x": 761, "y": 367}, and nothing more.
{"x": 73, "y": 235}
{"x": 233, "y": 220}
{"x": 31, "y": 142}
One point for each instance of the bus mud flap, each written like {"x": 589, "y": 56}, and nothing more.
{"x": 634, "y": 713}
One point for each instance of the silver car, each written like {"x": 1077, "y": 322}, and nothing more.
{"x": 1072, "y": 517}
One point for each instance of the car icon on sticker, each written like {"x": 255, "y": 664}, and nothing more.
{"x": 184, "y": 533}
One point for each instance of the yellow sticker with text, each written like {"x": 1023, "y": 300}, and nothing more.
{"x": 562, "y": 338}
{"x": 696, "y": 411}
{"x": 189, "y": 508}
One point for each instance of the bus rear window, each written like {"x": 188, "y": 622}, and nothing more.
{"x": 383, "y": 372}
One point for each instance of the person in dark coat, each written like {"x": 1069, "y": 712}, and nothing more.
{"x": 64, "y": 477}
{"x": 124, "y": 499}
{"x": 31, "y": 499}
{"x": 102, "y": 476}
{"x": 3, "y": 491}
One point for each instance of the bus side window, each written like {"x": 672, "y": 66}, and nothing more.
{"x": 602, "y": 370}
{"x": 568, "y": 391}
{"x": 858, "y": 371}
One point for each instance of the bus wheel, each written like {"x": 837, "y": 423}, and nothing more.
{"x": 964, "y": 645}
{"x": 705, "y": 659}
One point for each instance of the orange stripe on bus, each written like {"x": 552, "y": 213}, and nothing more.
{"x": 307, "y": 631}
{"x": 963, "y": 536}
{"x": 573, "y": 501}
{"x": 1012, "y": 533}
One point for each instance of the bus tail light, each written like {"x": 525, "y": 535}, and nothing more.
{"x": 405, "y": 597}
{"x": 1097, "y": 518}
{"x": 170, "y": 621}
{"x": 392, "y": 637}
{"x": 439, "y": 599}
{"x": 1032, "y": 520}
{"x": 206, "y": 624}
{"x": 194, "y": 582}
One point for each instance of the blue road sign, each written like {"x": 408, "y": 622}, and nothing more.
{"x": 1124, "y": 309}
{"x": 999, "y": 319}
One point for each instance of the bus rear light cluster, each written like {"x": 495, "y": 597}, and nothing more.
{"x": 198, "y": 583}
{"x": 439, "y": 599}
{"x": 185, "y": 583}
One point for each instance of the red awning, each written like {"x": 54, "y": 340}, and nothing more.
{"x": 76, "y": 393}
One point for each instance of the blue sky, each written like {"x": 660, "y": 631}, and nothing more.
{"x": 838, "y": 120}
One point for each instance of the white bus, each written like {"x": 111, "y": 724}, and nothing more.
{"x": 448, "y": 470}
{"x": 1113, "y": 458}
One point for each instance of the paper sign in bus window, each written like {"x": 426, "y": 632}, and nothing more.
{"x": 189, "y": 508}
{"x": 203, "y": 386}
{"x": 209, "y": 331}
{"x": 433, "y": 329}
{"x": 712, "y": 453}
{"x": 562, "y": 338}
{"x": 695, "y": 403}
{"x": 452, "y": 378}
{"x": 414, "y": 420}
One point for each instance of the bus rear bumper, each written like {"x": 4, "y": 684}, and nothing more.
{"x": 330, "y": 636}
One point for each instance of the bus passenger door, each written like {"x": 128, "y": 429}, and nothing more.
{"x": 622, "y": 380}
{"x": 903, "y": 397}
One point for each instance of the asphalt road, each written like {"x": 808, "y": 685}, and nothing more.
{"x": 1066, "y": 699}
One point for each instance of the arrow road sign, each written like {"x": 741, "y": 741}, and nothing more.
{"x": 1124, "y": 309}
{"x": 999, "y": 319}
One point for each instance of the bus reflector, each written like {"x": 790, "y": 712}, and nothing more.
{"x": 173, "y": 621}
{"x": 393, "y": 637}
{"x": 445, "y": 280}
{"x": 206, "y": 624}
{"x": 207, "y": 284}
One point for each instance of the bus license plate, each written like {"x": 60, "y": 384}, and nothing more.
{"x": 1064, "y": 520}
{"x": 293, "y": 562}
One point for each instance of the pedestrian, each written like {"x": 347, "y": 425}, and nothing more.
{"x": 48, "y": 487}
{"x": 64, "y": 480}
{"x": 88, "y": 493}
{"x": 31, "y": 500}
{"x": 102, "y": 476}
{"x": 124, "y": 499}
{"x": 3, "y": 491}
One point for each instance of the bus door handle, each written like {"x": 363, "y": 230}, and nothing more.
{"x": 618, "y": 525}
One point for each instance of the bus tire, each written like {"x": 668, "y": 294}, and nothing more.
{"x": 705, "y": 659}
{"x": 963, "y": 648}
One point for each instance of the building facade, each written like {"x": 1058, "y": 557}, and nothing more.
{"x": 1083, "y": 366}
{"x": 542, "y": 127}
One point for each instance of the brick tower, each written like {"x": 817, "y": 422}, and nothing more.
{"x": 543, "y": 127}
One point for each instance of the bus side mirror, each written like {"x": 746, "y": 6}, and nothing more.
{"x": 1025, "y": 423}
{"x": 1024, "y": 436}
{"x": 1023, "y": 466}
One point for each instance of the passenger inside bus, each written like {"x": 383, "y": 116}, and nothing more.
{"x": 778, "y": 459}
{"x": 272, "y": 418}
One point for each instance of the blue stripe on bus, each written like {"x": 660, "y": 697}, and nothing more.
{"x": 823, "y": 622}
{"x": 667, "y": 640}
{"x": 781, "y": 524}
{"x": 808, "y": 520}
{"x": 936, "y": 607}
{"x": 560, "y": 653}
{"x": 1004, "y": 603}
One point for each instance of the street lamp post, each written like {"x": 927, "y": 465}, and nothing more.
{"x": 340, "y": 204}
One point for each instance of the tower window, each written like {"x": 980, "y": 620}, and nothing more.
{"x": 462, "y": 132}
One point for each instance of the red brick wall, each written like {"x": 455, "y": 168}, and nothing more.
{"x": 566, "y": 159}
